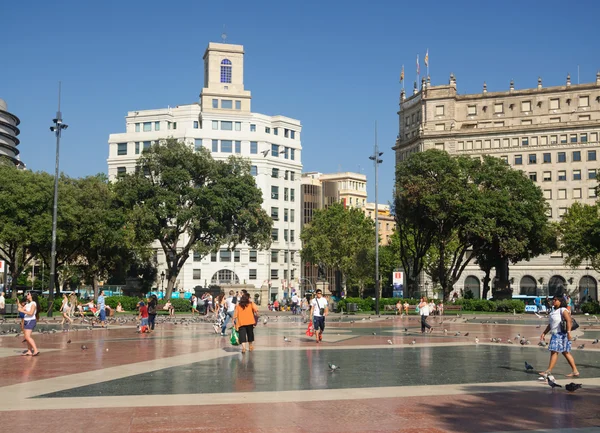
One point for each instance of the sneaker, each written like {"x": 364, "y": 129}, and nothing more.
{"x": 222, "y": 334}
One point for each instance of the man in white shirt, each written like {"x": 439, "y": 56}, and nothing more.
{"x": 424, "y": 311}
{"x": 295, "y": 302}
{"x": 230, "y": 304}
{"x": 2, "y": 304}
{"x": 318, "y": 311}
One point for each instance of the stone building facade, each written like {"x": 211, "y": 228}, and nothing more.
{"x": 550, "y": 133}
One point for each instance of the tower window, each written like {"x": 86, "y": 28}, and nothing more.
{"x": 226, "y": 71}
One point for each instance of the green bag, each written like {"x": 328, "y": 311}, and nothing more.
{"x": 417, "y": 308}
{"x": 235, "y": 337}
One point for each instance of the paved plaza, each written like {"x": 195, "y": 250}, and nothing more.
{"x": 184, "y": 377}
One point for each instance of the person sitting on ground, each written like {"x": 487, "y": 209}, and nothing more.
{"x": 120, "y": 308}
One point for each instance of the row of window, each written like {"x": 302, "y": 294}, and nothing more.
{"x": 561, "y": 157}
{"x": 576, "y": 193}
{"x": 227, "y": 256}
{"x": 561, "y": 211}
{"x": 543, "y": 140}
{"x": 227, "y": 104}
{"x": 289, "y": 194}
{"x": 252, "y": 274}
{"x": 288, "y": 214}
{"x": 500, "y": 124}
{"x": 275, "y": 235}
{"x": 147, "y": 126}
{"x": 561, "y": 175}
{"x": 583, "y": 101}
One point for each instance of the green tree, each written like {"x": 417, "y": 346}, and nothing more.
{"x": 517, "y": 227}
{"x": 188, "y": 202}
{"x": 337, "y": 238}
{"x": 435, "y": 206}
{"x": 579, "y": 235}
{"x": 25, "y": 201}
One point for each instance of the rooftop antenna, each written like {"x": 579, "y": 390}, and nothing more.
{"x": 224, "y": 35}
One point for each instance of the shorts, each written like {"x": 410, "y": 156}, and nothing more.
{"x": 144, "y": 321}
{"x": 103, "y": 315}
{"x": 30, "y": 324}
{"x": 319, "y": 323}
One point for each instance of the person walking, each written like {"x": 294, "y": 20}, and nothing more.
{"x": 65, "y": 309}
{"x": 424, "y": 312}
{"x": 152, "y": 307}
{"x": 230, "y": 304}
{"x": 31, "y": 310}
{"x": 318, "y": 311}
{"x": 102, "y": 309}
{"x": 560, "y": 341}
{"x": 72, "y": 304}
{"x": 244, "y": 318}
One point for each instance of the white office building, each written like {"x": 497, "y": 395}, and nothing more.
{"x": 222, "y": 121}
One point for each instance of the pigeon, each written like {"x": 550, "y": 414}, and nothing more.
{"x": 476, "y": 340}
{"x": 265, "y": 321}
{"x": 595, "y": 341}
{"x": 83, "y": 347}
{"x": 575, "y": 338}
{"x": 69, "y": 341}
{"x": 333, "y": 367}
{"x": 509, "y": 341}
{"x": 405, "y": 329}
{"x": 457, "y": 334}
{"x": 467, "y": 334}
{"x": 542, "y": 344}
{"x": 581, "y": 347}
{"x": 390, "y": 342}
{"x": 572, "y": 387}
{"x": 552, "y": 383}
{"x": 413, "y": 342}
{"x": 528, "y": 366}
{"x": 374, "y": 333}
{"x": 286, "y": 339}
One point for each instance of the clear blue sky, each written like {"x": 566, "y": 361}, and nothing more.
{"x": 332, "y": 64}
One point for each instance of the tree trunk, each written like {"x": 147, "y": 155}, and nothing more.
{"x": 95, "y": 286}
{"x": 502, "y": 289}
{"x": 170, "y": 285}
{"x": 486, "y": 282}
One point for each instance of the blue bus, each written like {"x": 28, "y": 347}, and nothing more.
{"x": 533, "y": 304}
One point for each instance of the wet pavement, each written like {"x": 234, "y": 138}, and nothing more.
{"x": 391, "y": 378}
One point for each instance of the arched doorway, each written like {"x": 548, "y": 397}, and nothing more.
{"x": 528, "y": 286}
{"x": 224, "y": 276}
{"x": 472, "y": 286}
{"x": 557, "y": 286}
{"x": 588, "y": 288}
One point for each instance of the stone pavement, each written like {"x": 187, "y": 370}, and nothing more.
{"x": 184, "y": 377}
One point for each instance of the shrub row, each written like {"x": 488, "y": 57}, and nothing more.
{"x": 590, "y": 307}
{"x": 504, "y": 306}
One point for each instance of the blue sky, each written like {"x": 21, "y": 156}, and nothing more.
{"x": 334, "y": 65}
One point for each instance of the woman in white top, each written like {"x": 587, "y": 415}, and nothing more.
{"x": 32, "y": 313}
{"x": 424, "y": 312}
{"x": 561, "y": 339}
{"x": 65, "y": 309}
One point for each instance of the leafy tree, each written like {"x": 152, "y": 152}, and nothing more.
{"x": 435, "y": 206}
{"x": 188, "y": 202}
{"x": 25, "y": 201}
{"x": 338, "y": 238}
{"x": 517, "y": 227}
{"x": 579, "y": 235}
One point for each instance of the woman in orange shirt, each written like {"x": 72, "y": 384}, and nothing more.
{"x": 245, "y": 320}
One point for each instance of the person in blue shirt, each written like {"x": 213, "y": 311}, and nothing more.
{"x": 102, "y": 308}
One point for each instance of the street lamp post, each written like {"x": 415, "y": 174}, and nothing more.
{"x": 162, "y": 283}
{"x": 376, "y": 162}
{"x": 57, "y": 129}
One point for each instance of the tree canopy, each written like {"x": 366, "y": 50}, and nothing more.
{"x": 339, "y": 239}
{"x": 579, "y": 235}
{"x": 190, "y": 202}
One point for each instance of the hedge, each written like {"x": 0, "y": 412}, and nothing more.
{"x": 504, "y": 306}
{"x": 590, "y": 307}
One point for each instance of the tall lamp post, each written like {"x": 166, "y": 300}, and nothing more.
{"x": 57, "y": 129}
{"x": 376, "y": 162}
{"x": 162, "y": 283}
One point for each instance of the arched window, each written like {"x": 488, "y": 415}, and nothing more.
{"x": 472, "y": 285}
{"x": 556, "y": 286}
{"x": 225, "y": 71}
{"x": 588, "y": 288}
{"x": 224, "y": 276}
{"x": 528, "y": 286}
